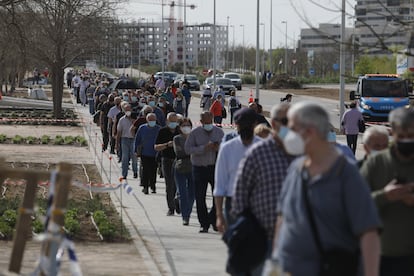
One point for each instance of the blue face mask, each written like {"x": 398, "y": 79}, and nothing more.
{"x": 151, "y": 123}
{"x": 126, "y": 98}
{"x": 282, "y": 132}
{"x": 208, "y": 127}
{"x": 331, "y": 136}
{"x": 172, "y": 125}
{"x": 161, "y": 104}
{"x": 134, "y": 99}
{"x": 151, "y": 103}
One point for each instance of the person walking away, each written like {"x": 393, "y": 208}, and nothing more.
{"x": 144, "y": 146}
{"x": 234, "y": 105}
{"x": 84, "y": 84}
{"x": 69, "y": 77}
{"x": 164, "y": 145}
{"x": 90, "y": 91}
{"x": 179, "y": 103}
{"x": 203, "y": 144}
{"x": 374, "y": 139}
{"x": 217, "y": 110}
{"x": 325, "y": 208}
{"x": 259, "y": 180}
{"x": 187, "y": 96}
{"x": 205, "y": 101}
{"x": 127, "y": 142}
{"x": 390, "y": 176}
{"x": 228, "y": 159}
{"x": 350, "y": 125}
{"x": 76, "y": 81}
{"x": 182, "y": 172}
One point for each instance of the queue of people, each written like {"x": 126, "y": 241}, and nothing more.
{"x": 321, "y": 212}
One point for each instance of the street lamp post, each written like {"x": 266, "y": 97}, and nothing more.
{"x": 264, "y": 48}
{"x": 232, "y": 61}
{"x": 214, "y": 48}
{"x": 257, "y": 49}
{"x": 286, "y": 49}
{"x": 271, "y": 25}
{"x": 243, "y": 48}
{"x": 227, "y": 44}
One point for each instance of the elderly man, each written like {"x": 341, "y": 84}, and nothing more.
{"x": 164, "y": 145}
{"x": 125, "y": 139}
{"x": 229, "y": 157}
{"x": 325, "y": 205}
{"x": 375, "y": 139}
{"x": 145, "y": 139}
{"x": 390, "y": 175}
{"x": 260, "y": 176}
{"x": 203, "y": 144}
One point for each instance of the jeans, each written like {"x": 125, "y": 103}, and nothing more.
{"x": 351, "y": 140}
{"x": 397, "y": 266}
{"x": 201, "y": 177}
{"x": 91, "y": 104}
{"x": 127, "y": 145}
{"x": 218, "y": 120}
{"x": 185, "y": 187}
{"x": 149, "y": 171}
{"x": 167, "y": 171}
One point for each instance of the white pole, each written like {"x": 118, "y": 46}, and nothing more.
{"x": 214, "y": 48}
{"x": 185, "y": 40}
{"x": 232, "y": 62}
{"x": 342, "y": 64}
{"x": 257, "y": 50}
{"x": 270, "y": 50}
{"x": 286, "y": 47}
{"x": 162, "y": 44}
{"x": 227, "y": 44}
{"x": 243, "y": 47}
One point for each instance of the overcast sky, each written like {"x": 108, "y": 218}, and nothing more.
{"x": 297, "y": 13}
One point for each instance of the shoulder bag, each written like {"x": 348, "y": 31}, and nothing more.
{"x": 334, "y": 262}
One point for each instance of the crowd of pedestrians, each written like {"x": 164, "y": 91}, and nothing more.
{"x": 321, "y": 211}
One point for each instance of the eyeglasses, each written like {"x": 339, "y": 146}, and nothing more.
{"x": 283, "y": 121}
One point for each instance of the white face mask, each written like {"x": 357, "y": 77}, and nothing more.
{"x": 128, "y": 113}
{"x": 294, "y": 143}
{"x": 186, "y": 130}
{"x": 373, "y": 152}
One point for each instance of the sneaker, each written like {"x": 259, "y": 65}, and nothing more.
{"x": 135, "y": 175}
{"x": 170, "y": 213}
{"x": 153, "y": 191}
{"x": 185, "y": 222}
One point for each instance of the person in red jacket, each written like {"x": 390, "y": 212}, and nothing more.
{"x": 216, "y": 109}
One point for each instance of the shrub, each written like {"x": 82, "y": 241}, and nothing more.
{"x": 81, "y": 140}
{"x": 5, "y": 229}
{"x": 68, "y": 140}
{"x": 10, "y": 217}
{"x": 58, "y": 140}
{"x": 3, "y": 138}
{"x": 17, "y": 139}
{"x": 30, "y": 140}
{"x": 45, "y": 139}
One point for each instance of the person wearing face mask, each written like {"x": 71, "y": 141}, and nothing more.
{"x": 228, "y": 159}
{"x": 115, "y": 109}
{"x": 158, "y": 111}
{"x": 259, "y": 179}
{"x": 375, "y": 139}
{"x": 390, "y": 175}
{"x": 126, "y": 142}
{"x": 217, "y": 110}
{"x": 145, "y": 140}
{"x": 118, "y": 116}
{"x": 343, "y": 148}
{"x": 325, "y": 205}
{"x": 182, "y": 171}
{"x": 203, "y": 144}
{"x": 164, "y": 145}
{"x": 350, "y": 124}
{"x": 179, "y": 103}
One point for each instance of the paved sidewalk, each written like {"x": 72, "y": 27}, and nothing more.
{"x": 167, "y": 247}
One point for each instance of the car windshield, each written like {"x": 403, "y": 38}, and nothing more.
{"x": 232, "y": 76}
{"x": 384, "y": 88}
{"x": 224, "y": 81}
{"x": 209, "y": 80}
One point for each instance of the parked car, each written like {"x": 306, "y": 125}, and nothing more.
{"x": 228, "y": 86}
{"x": 194, "y": 83}
{"x": 235, "y": 79}
{"x": 169, "y": 77}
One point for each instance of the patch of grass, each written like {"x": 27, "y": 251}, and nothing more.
{"x": 81, "y": 140}
{"x": 17, "y": 139}
{"x": 58, "y": 140}
{"x": 68, "y": 140}
{"x": 45, "y": 139}
{"x": 3, "y": 138}
{"x": 30, "y": 139}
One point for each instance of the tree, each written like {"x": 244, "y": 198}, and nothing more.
{"x": 58, "y": 31}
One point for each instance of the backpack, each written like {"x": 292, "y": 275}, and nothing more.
{"x": 233, "y": 103}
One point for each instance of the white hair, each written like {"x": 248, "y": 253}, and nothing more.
{"x": 374, "y": 130}
{"x": 310, "y": 114}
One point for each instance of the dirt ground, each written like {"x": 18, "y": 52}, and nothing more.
{"x": 95, "y": 257}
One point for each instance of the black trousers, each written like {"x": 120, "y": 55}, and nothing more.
{"x": 170, "y": 188}
{"x": 105, "y": 137}
{"x": 202, "y": 176}
{"x": 351, "y": 140}
{"x": 149, "y": 171}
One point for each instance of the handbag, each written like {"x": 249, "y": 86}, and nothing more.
{"x": 183, "y": 165}
{"x": 246, "y": 242}
{"x": 337, "y": 261}
{"x": 361, "y": 126}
